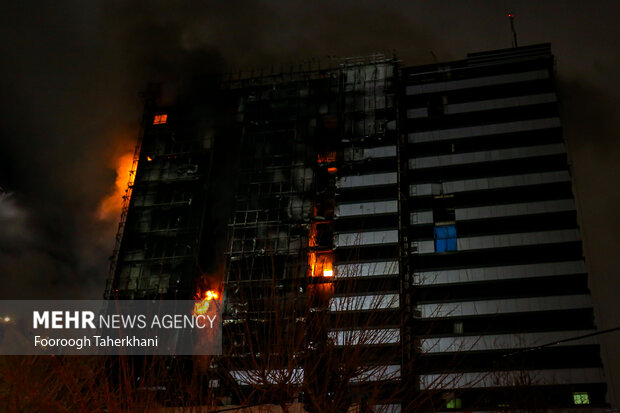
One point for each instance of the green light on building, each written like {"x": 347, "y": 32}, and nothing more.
{"x": 454, "y": 404}
{"x": 581, "y": 398}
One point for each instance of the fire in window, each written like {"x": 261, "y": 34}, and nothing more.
{"x": 321, "y": 264}
{"x": 160, "y": 119}
{"x": 327, "y": 156}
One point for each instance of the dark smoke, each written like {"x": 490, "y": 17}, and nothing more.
{"x": 72, "y": 72}
{"x": 591, "y": 128}
{"x": 71, "y": 86}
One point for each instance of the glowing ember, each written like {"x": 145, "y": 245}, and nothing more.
{"x": 112, "y": 205}
{"x": 330, "y": 156}
{"x": 211, "y": 295}
{"x": 202, "y": 306}
{"x": 148, "y": 158}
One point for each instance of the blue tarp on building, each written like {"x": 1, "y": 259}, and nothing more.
{"x": 445, "y": 238}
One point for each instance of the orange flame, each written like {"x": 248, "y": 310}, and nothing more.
{"x": 313, "y": 236}
{"x": 321, "y": 264}
{"x": 111, "y": 205}
{"x": 326, "y": 157}
{"x": 202, "y": 305}
{"x": 160, "y": 119}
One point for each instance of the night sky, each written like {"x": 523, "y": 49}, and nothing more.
{"x": 72, "y": 71}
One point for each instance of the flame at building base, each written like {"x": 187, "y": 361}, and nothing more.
{"x": 201, "y": 306}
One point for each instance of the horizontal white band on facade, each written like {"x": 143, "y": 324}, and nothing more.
{"x": 450, "y": 187}
{"x": 296, "y": 375}
{"x": 367, "y": 269}
{"x": 366, "y": 208}
{"x": 349, "y": 239}
{"x": 504, "y": 341}
{"x": 497, "y": 211}
{"x": 483, "y": 130}
{"x": 421, "y": 217}
{"x": 511, "y": 378}
{"x": 365, "y": 336}
{"x": 526, "y": 208}
{"x": 502, "y": 240}
{"x": 377, "y": 373}
{"x": 499, "y": 103}
{"x": 476, "y": 82}
{"x": 359, "y": 154}
{"x": 486, "y": 156}
{"x": 490, "y": 104}
{"x": 387, "y": 408}
{"x": 364, "y": 302}
{"x": 466, "y": 275}
{"x": 380, "y": 152}
{"x": 504, "y": 306}
{"x": 354, "y": 181}
{"x": 268, "y": 376}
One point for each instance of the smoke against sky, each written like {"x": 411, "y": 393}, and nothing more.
{"x": 72, "y": 73}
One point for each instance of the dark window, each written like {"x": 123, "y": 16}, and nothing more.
{"x": 443, "y": 209}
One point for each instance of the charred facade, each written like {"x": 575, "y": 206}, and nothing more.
{"x": 392, "y": 238}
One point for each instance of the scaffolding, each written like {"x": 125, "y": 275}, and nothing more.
{"x": 157, "y": 243}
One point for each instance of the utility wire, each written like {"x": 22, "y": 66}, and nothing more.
{"x": 553, "y": 343}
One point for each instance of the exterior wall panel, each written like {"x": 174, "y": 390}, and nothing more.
{"x": 483, "y": 130}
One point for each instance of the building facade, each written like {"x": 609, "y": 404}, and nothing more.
{"x": 385, "y": 237}
{"x": 495, "y": 251}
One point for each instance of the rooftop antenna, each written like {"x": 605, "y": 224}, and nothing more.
{"x": 511, "y": 16}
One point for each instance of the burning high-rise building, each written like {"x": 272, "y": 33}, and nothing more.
{"x": 386, "y": 237}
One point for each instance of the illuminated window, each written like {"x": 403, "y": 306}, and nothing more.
{"x": 458, "y": 327}
{"x": 581, "y": 397}
{"x": 454, "y": 404}
{"x": 445, "y": 238}
{"x": 160, "y": 119}
{"x": 321, "y": 264}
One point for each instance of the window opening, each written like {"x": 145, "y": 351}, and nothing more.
{"x": 445, "y": 238}
{"x": 454, "y": 404}
{"x": 160, "y": 119}
{"x": 581, "y": 397}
